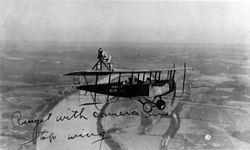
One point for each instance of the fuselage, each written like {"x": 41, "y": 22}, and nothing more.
{"x": 151, "y": 89}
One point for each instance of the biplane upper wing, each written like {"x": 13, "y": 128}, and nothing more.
{"x": 102, "y": 73}
{"x": 87, "y": 73}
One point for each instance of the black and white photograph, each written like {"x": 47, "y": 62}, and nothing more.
{"x": 124, "y": 75}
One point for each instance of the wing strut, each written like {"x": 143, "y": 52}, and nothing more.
{"x": 184, "y": 80}
{"x": 96, "y": 79}
{"x": 87, "y": 91}
{"x": 143, "y": 77}
{"x": 168, "y": 74}
{"x": 174, "y": 86}
{"x": 150, "y": 75}
{"x": 159, "y": 77}
{"x": 174, "y": 71}
{"x": 109, "y": 85}
{"x": 131, "y": 82}
{"x": 119, "y": 80}
{"x": 86, "y": 83}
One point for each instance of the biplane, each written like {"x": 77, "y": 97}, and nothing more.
{"x": 147, "y": 86}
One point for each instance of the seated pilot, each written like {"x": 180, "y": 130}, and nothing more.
{"x": 125, "y": 82}
{"x": 147, "y": 80}
{"x": 137, "y": 81}
{"x": 130, "y": 81}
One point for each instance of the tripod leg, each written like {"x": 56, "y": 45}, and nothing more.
{"x": 174, "y": 95}
{"x": 96, "y": 64}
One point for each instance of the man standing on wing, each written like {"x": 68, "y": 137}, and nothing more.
{"x": 106, "y": 57}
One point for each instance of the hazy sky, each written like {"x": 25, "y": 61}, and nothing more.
{"x": 134, "y": 21}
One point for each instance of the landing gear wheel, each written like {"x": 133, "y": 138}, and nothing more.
{"x": 160, "y": 104}
{"x": 147, "y": 107}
